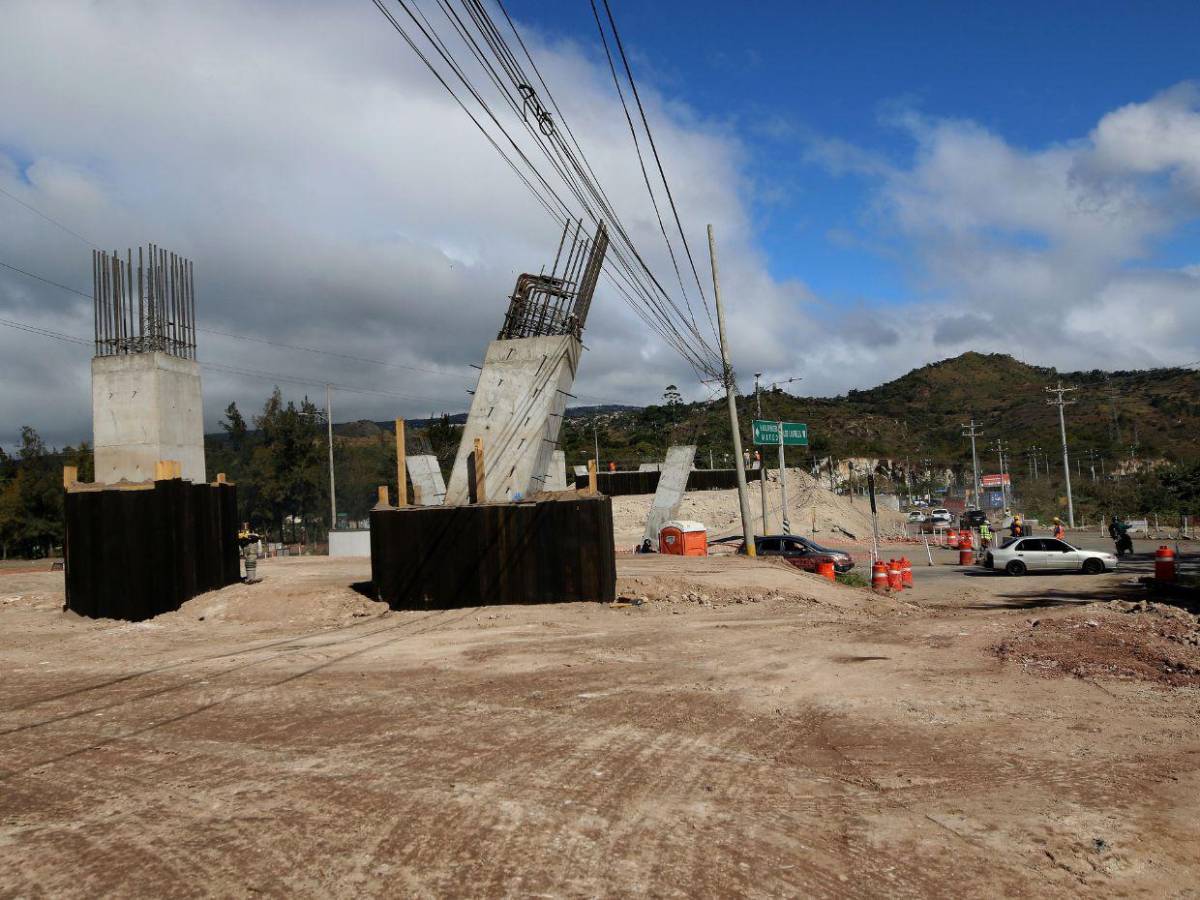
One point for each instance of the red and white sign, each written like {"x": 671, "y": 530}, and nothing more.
{"x": 995, "y": 481}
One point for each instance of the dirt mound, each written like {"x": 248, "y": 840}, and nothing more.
{"x": 1158, "y": 644}
{"x": 300, "y": 592}
{"x": 813, "y": 510}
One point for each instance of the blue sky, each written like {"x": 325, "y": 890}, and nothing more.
{"x": 1035, "y": 73}
{"x": 891, "y": 184}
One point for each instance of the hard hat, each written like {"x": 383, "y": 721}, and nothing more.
{"x": 1057, "y": 520}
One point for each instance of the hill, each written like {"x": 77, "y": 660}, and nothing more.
{"x": 1150, "y": 414}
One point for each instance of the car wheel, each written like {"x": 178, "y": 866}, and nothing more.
{"x": 1015, "y": 567}
{"x": 1092, "y": 567}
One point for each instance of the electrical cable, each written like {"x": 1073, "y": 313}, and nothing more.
{"x": 564, "y": 162}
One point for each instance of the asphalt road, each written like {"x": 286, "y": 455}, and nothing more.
{"x": 945, "y": 576}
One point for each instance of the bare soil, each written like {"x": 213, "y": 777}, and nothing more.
{"x": 735, "y": 727}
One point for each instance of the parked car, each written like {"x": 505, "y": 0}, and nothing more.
{"x": 940, "y": 517}
{"x": 1021, "y": 555}
{"x": 800, "y": 552}
{"x": 972, "y": 518}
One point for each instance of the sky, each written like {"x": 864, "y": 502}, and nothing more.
{"x": 889, "y": 185}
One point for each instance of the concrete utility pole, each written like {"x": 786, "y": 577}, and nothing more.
{"x": 596, "y": 442}
{"x": 329, "y": 432}
{"x": 972, "y": 431}
{"x": 731, "y": 401}
{"x": 1000, "y": 449}
{"x": 1058, "y": 401}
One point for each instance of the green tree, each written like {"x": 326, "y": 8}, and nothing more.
{"x": 287, "y": 464}
{"x": 235, "y": 426}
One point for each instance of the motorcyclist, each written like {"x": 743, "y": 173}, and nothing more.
{"x": 1119, "y": 531}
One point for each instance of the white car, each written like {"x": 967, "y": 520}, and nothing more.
{"x": 940, "y": 516}
{"x": 916, "y": 516}
{"x": 1035, "y": 554}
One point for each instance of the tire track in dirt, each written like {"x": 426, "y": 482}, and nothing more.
{"x": 177, "y": 717}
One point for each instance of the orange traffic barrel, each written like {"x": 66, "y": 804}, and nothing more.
{"x": 906, "y": 572}
{"x": 1164, "y": 564}
{"x": 825, "y": 570}
{"x": 966, "y": 556}
{"x": 879, "y": 577}
{"x": 952, "y": 539}
{"x": 965, "y": 539}
{"x": 895, "y": 579}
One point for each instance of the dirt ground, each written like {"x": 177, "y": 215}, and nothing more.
{"x": 739, "y": 728}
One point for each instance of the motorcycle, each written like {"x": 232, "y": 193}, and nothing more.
{"x": 1124, "y": 544}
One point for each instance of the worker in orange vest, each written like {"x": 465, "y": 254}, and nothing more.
{"x": 1060, "y": 533}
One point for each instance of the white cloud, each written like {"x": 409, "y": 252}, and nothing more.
{"x": 332, "y": 195}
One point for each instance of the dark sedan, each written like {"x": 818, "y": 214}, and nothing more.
{"x": 800, "y": 552}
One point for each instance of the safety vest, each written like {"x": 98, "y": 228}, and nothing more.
{"x": 1059, "y": 532}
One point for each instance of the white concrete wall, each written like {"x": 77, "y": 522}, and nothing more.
{"x": 425, "y": 474}
{"x": 517, "y": 411}
{"x": 556, "y": 478}
{"x": 350, "y": 543}
{"x": 672, "y": 485}
{"x": 146, "y": 407}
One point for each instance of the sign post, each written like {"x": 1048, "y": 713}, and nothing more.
{"x": 874, "y": 518}
{"x": 781, "y": 434}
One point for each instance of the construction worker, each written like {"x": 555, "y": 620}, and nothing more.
{"x": 247, "y": 539}
{"x": 1016, "y": 529}
{"x": 1060, "y": 533}
{"x": 612, "y": 467}
{"x": 985, "y": 535}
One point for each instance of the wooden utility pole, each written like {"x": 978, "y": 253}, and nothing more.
{"x": 593, "y": 485}
{"x": 401, "y": 466}
{"x": 727, "y": 377}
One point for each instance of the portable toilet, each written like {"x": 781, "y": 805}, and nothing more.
{"x": 683, "y": 538}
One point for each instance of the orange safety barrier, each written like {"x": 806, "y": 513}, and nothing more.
{"x": 966, "y": 557}
{"x": 906, "y": 576}
{"x": 1164, "y": 564}
{"x": 879, "y": 577}
{"x": 952, "y": 539}
{"x": 895, "y": 579}
{"x": 826, "y": 570}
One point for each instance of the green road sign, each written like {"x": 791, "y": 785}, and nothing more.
{"x": 795, "y": 434}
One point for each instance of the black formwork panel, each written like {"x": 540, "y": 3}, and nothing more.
{"x": 622, "y": 484}
{"x": 446, "y": 557}
{"x": 134, "y": 553}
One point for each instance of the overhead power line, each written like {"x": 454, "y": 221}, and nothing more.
{"x": 256, "y": 340}
{"x": 52, "y": 221}
{"x": 481, "y": 37}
